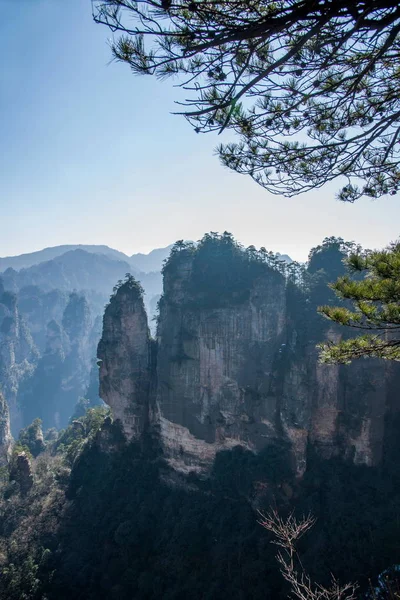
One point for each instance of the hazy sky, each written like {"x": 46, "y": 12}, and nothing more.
{"x": 91, "y": 154}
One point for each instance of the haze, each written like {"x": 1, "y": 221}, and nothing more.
{"x": 92, "y": 155}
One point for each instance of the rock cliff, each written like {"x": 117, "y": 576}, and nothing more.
{"x": 18, "y": 353}
{"x": 124, "y": 355}
{"x": 5, "y": 432}
{"x": 235, "y": 363}
{"x": 61, "y": 375}
{"x": 216, "y": 364}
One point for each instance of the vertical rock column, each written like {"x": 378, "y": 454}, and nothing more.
{"x": 18, "y": 354}
{"x": 216, "y": 365}
{"x": 123, "y": 353}
{"x": 5, "y": 433}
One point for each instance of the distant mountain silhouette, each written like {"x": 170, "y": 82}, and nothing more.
{"x": 139, "y": 262}
{"x": 152, "y": 261}
{"x": 49, "y": 334}
{"x": 75, "y": 269}
{"x": 285, "y": 257}
{"x": 24, "y": 261}
{"x": 92, "y": 269}
{"x": 94, "y": 274}
{"x": 146, "y": 263}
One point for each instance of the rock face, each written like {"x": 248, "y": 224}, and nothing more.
{"x": 18, "y": 353}
{"x": 235, "y": 363}
{"x": 21, "y": 472}
{"x": 5, "y": 432}
{"x": 51, "y": 307}
{"x": 124, "y": 352}
{"x": 40, "y": 308}
{"x": 215, "y": 369}
{"x": 61, "y": 375}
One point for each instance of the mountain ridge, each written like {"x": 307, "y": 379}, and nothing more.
{"x": 146, "y": 263}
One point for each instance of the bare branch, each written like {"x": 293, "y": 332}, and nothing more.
{"x": 287, "y": 532}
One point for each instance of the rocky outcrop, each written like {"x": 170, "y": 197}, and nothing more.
{"x": 21, "y": 472}
{"x": 62, "y": 373}
{"x": 40, "y": 308}
{"x": 5, "y": 432}
{"x": 335, "y": 410}
{"x": 18, "y": 354}
{"x": 124, "y": 355}
{"x": 32, "y": 437}
{"x": 216, "y": 369}
{"x": 235, "y": 365}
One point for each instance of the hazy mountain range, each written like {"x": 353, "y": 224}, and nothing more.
{"x": 92, "y": 270}
{"x": 38, "y": 290}
{"x": 89, "y": 269}
{"x": 139, "y": 262}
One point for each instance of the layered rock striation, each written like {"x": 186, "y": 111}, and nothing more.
{"x": 5, "y": 432}
{"x": 235, "y": 363}
{"x": 124, "y": 359}
{"x": 61, "y": 375}
{"x": 18, "y": 353}
{"x": 216, "y": 362}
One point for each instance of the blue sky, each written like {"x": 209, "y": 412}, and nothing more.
{"x": 91, "y": 154}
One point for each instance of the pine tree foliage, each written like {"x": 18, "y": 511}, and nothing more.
{"x": 376, "y": 307}
{"x": 310, "y": 87}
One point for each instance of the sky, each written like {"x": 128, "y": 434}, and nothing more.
{"x": 91, "y": 154}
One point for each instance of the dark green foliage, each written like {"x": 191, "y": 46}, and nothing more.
{"x": 72, "y": 440}
{"x": 330, "y": 256}
{"x": 308, "y": 287}
{"x": 129, "y": 283}
{"x": 30, "y": 516}
{"x": 20, "y": 579}
{"x": 81, "y": 407}
{"x": 126, "y": 292}
{"x": 309, "y": 87}
{"x": 132, "y": 528}
{"x": 326, "y": 263}
{"x": 141, "y": 538}
{"x": 32, "y": 438}
{"x": 235, "y": 471}
{"x": 218, "y": 271}
{"x": 375, "y": 307}
{"x": 358, "y": 526}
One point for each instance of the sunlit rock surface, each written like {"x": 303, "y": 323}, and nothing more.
{"x": 237, "y": 368}
{"x": 124, "y": 355}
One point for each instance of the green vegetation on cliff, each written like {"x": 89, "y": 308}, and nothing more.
{"x": 218, "y": 271}
{"x": 86, "y": 515}
{"x": 104, "y": 520}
